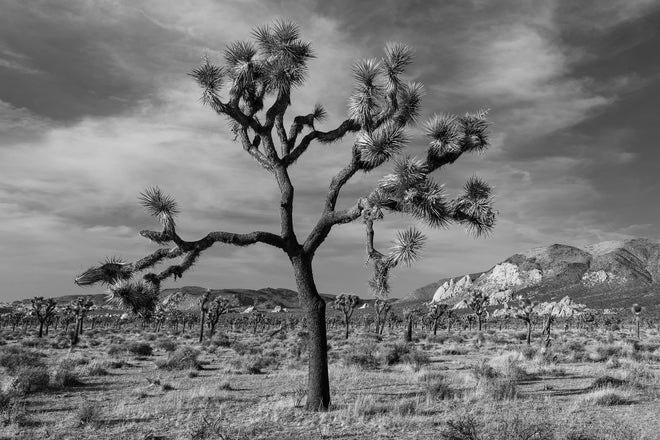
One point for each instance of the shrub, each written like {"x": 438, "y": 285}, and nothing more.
{"x": 464, "y": 428}
{"x": 605, "y": 382}
{"x": 607, "y": 397}
{"x": 64, "y": 375}
{"x": 437, "y": 388}
{"x": 167, "y": 345}
{"x": 484, "y": 371}
{"x": 97, "y": 368}
{"x": 183, "y": 358}
{"x": 88, "y": 414}
{"x": 395, "y": 352}
{"x": 114, "y": 350}
{"x": 140, "y": 349}
{"x": 13, "y": 358}
{"x": 416, "y": 359}
{"x": 454, "y": 350}
{"x": 249, "y": 364}
{"x": 362, "y": 357}
{"x": 30, "y": 379}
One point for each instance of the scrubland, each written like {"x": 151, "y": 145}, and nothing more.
{"x": 136, "y": 384}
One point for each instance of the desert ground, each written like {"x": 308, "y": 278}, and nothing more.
{"x": 134, "y": 383}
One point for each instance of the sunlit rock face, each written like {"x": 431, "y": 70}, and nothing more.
{"x": 592, "y": 279}
{"x": 614, "y": 265}
{"x": 506, "y": 276}
{"x": 450, "y": 289}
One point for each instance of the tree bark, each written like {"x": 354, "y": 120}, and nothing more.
{"x": 41, "y": 328}
{"x": 318, "y": 384}
{"x": 529, "y": 332}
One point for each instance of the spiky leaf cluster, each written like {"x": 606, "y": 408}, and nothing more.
{"x": 407, "y": 247}
{"x": 474, "y": 208}
{"x": 410, "y": 190}
{"x": 107, "y": 272}
{"x": 383, "y": 144}
{"x": 162, "y": 207}
{"x": 274, "y": 62}
{"x": 137, "y": 296}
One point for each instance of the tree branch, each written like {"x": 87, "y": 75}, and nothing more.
{"x": 349, "y": 125}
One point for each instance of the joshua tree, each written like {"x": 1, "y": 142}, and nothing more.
{"x": 203, "y": 310}
{"x": 42, "y": 309}
{"x": 219, "y": 306}
{"x": 477, "y": 301}
{"x": 382, "y": 308}
{"x": 435, "y": 312}
{"x": 409, "y": 315}
{"x": 346, "y": 304}
{"x": 253, "y": 90}
{"x": 565, "y": 308}
{"x": 637, "y": 310}
{"x": 78, "y": 309}
{"x": 521, "y": 308}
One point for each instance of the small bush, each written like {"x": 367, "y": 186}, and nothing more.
{"x": 416, "y": 359}
{"x": 394, "y": 353}
{"x": 140, "y": 349}
{"x": 363, "y": 357}
{"x": 167, "y": 345}
{"x": 13, "y": 358}
{"x": 436, "y": 387}
{"x": 606, "y": 381}
{"x": 607, "y": 397}
{"x": 465, "y": 428}
{"x": 249, "y": 364}
{"x": 183, "y": 358}
{"x": 30, "y": 380}
{"x": 484, "y": 371}
{"x": 88, "y": 414}
{"x": 97, "y": 368}
{"x": 64, "y": 375}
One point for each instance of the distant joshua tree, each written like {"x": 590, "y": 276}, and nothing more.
{"x": 521, "y": 308}
{"x": 218, "y": 307}
{"x": 203, "y": 310}
{"x": 43, "y": 310}
{"x": 78, "y": 309}
{"x": 637, "y": 311}
{"x": 253, "y": 91}
{"x": 565, "y": 308}
{"x": 476, "y": 301}
{"x": 346, "y": 304}
{"x": 435, "y": 312}
{"x": 382, "y": 308}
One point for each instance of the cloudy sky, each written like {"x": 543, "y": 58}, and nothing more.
{"x": 95, "y": 106}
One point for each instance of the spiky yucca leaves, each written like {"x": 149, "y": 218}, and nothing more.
{"x": 409, "y": 189}
{"x": 210, "y": 78}
{"x": 274, "y": 63}
{"x": 138, "y": 296}
{"x": 385, "y": 143}
{"x": 407, "y": 247}
{"x": 162, "y": 207}
{"x": 474, "y": 208}
{"x": 111, "y": 270}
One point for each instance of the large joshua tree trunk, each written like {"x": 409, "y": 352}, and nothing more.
{"x": 318, "y": 385}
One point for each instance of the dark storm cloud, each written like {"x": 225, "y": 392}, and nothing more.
{"x": 69, "y": 59}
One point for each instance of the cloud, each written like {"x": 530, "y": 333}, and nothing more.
{"x": 95, "y": 106}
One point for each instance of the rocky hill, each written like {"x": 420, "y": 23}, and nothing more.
{"x": 608, "y": 274}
